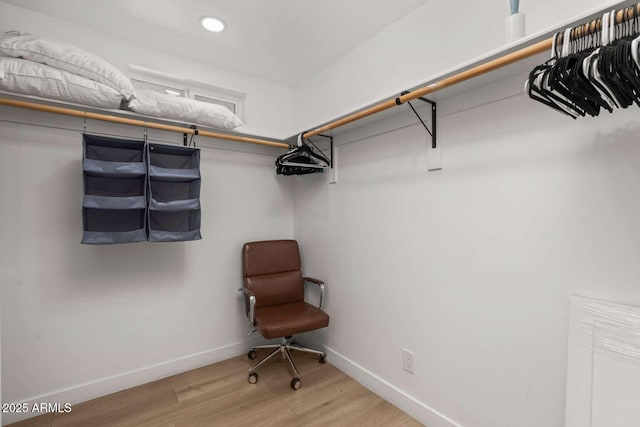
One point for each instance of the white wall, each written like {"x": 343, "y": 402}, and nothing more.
{"x": 435, "y": 37}
{"x": 269, "y": 106}
{"x": 81, "y": 321}
{"x": 472, "y": 267}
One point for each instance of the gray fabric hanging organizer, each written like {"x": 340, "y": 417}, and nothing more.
{"x": 115, "y": 199}
{"x": 174, "y": 193}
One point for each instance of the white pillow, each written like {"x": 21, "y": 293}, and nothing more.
{"x": 66, "y": 57}
{"x": 157, "y": 104}
{"x": 31, "y": 78}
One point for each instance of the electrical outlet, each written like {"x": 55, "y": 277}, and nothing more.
{"x": 408, "y": 362}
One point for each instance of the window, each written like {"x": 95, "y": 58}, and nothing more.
{"x": 147, "y": 79}
{"x": 228, "y": 104}
{"x": 142, "y": 85}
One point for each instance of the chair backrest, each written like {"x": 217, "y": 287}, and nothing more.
{"x": 272, "y": 271}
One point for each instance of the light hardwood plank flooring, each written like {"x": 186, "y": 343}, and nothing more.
{"x": 219, "y": 395}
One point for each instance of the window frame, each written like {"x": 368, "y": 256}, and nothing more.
{"x": 191, "y": 88}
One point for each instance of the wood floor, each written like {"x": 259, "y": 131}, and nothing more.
{"x": 219, "y": 395}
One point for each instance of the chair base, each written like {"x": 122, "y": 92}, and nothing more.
{"x": 286, "y": 345}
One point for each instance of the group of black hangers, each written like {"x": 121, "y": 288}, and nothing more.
{"x": 301, "y": 160}
{"x": 593, "y": 67}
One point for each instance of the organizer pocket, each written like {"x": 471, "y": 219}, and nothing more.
{"x": 113, "y": 157}
{"x": 118, "y": 203}
{"x": 174, "y": 175}
{"x": 108, "y": 220}
{"x": 114, "y": 187}
{"x": 113, "y": 150}
{"x": 169, "y": 157}
{"x": 165, "y": 191}
{"x": 174, "y": 205}
{"x": 180, "y": 221}
{"x": 170, "y": 226}
{"x": 114, "y": 169}
{"x": 111, "y": 238}
{"x": 110, "y": 226}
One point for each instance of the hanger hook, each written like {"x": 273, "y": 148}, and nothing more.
{"x": 612, "y": 26}
{"x": 84, "y": 119}
{"x": 554, "y": 46}
{"x": 566, "y": 41}
{"x": 629, "y": 20}
{"x": 625, "y": 22}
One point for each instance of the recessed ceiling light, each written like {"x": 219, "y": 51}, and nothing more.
{"x": 173, "y": 92}
{"x": 212, "y": 23}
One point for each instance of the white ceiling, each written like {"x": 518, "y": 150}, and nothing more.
{"x": 285, "y": 41}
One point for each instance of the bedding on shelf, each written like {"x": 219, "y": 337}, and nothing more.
{"x": 30, "y": 65}
{"x": 66, "y": 57}
{"x": 156, "y": 104}
{"x": 31, "y": 78}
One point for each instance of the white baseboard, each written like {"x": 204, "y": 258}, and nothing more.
{"x": 104, "y": 386}
{"x": 418, "y": 410}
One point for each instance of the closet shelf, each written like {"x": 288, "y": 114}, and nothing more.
{"x": 128, "y": 118}
{"x": 505, "y": 62}
{"x": 502, "y": 63}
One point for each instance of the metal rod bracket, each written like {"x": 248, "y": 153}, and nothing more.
{"x": 331, "y": 147}
{"x": 185, "y": 137}
{"x": 434, "y": 110}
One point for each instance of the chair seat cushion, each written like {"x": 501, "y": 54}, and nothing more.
{"x": 289, "y": 319}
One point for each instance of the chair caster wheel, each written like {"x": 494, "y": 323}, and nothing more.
{"x": 253, "y": 378}
{"x": 296, "y": 384}
{"x": 323, "y": 359}
{"x": 252, "y": 354}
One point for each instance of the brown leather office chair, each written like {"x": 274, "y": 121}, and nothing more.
{"x": 274, "y": 298}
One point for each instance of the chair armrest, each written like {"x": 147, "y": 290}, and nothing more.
{"x": 319, "y": 283}
{"x": 252, "y": 305}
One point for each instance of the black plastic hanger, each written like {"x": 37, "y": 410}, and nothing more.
{"x": 301, "y": 160}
